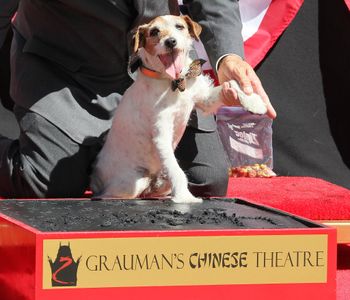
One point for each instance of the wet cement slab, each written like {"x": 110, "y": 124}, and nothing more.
{"x": 146, "y": 214}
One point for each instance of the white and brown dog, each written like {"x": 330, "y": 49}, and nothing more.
{"x": 138, "y": 156}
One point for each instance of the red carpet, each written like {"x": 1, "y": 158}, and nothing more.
{"x": 311, "y": 198}
{"x": 308, "y": 197}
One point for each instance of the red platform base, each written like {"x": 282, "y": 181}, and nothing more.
{"x": 284, "y": 263}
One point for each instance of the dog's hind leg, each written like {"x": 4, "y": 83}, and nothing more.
{"x": 128, "y": 185}
{"x": 159, "y": 186}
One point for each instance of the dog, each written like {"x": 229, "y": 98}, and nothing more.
{"x": 137, "y": 159}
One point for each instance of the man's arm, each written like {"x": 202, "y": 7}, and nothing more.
{"x": 222, "y": 39}
{"x": 221, "y": 26}
{"x": 7, "y": 11}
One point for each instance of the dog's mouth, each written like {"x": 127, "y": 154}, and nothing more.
{"x": 173, "y": 62}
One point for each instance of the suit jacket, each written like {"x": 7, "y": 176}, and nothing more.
{"x": 70, "y": 57}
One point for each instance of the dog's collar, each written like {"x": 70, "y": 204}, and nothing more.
{"x": 150, "y": 73}
{"x": 194, "y": 70}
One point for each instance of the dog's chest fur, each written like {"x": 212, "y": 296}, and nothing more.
{"x": 147, "y": 106}
{"x": 159, "y": 106}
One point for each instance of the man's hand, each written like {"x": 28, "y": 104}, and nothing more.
{"x": 234, "y": 67}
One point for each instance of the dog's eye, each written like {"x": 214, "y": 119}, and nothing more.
{"x": 179, "y": 27}
{"x": 154, "y": 32}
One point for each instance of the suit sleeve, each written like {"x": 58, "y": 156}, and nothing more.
{"x": 221, "y": 26}
{"x": 7, "y": 11}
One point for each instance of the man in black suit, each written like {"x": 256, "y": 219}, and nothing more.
{"x": 68, "y": 72}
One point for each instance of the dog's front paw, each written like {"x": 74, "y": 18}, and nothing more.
{"x": 186, "y": 198}
{"x": 252, "y": 103}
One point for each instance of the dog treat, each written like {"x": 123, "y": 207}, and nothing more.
{"x": 252, "y": 103}
{"x": 256, "y": 170}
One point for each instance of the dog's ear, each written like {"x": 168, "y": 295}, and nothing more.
{"x": 139, "y": 38}
{"x": 193, "y": 27}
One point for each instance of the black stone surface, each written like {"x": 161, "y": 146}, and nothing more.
{"x": 162, "y": 214}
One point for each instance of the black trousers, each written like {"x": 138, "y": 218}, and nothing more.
{"x": 45, "y": 162}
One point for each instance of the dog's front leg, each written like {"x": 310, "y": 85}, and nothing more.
{"x": 209, "y": 99}
{"x": 163, "y": 140}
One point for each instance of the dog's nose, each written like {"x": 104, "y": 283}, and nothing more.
{"x": 170, "y": 42}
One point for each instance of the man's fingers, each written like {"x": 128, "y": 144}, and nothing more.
{"x": 229, "y": 95}
{"x": 258, "y": 88}
{"x": 233, "y": 67}
{"x": 242, "y": 77}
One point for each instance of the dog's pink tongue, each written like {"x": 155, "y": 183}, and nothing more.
{"x": 173, "y": 64}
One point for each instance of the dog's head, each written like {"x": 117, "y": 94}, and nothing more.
{"x": 164, "y": 43}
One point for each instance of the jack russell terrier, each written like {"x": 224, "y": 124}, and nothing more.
{"x": 138, "y": 158}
